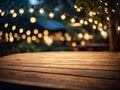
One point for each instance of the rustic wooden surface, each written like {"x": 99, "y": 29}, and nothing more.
{"x": 63, "y": 70}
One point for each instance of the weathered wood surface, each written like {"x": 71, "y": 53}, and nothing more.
{"x": 63, "y": 70}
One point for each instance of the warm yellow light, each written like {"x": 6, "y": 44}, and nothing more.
{"x": 46, "y": 32}
{"x": 36, "y": 31}
{"x": 74, "y": 44}
{"x": 104, "y": 34}
{"x": 113, "y": 10}
{"x": 6, "y": 25}
{"x": 75, "y": 6}
{"x": 28, "y": 32}
{"x": 23, "y": 36}
{"x": 80, "y": 35}
{"x": 3, "y": 13}
{"x": 105, "y": 27}
{"x": 1, "y": 33}
{"x": 10, "y": 34}
{"x": 63, "y": 17}
{"x": 6, "y": 34}
{"x": 81, "y": 21}
{"x": 78, "y": 10}
{"x": 14, "y": 15}
{"x": 118, "y": 28}
{"x": 96, "y": 22}
{"x": 21, "y": 10}
{"x": 94, "y": 27}
{"x": 13, "y": 27}
{"x": 51, "y": 15}
{"x": 31, "y": 10}
{"x": 68, "y": 38}
{"x": 12, "y": 11}
{"x": 21, "y": 30}
{"x": 100, "y": 24}
{"x": 41, "y": 11}
{"x": 62, "y": 38}
{"x": 48, "y": 40}
{"x": 82, "y": 43}
{"x": 73, "y": 20}
{"x": 11, "y": 39}
{"x": 106, "y": 4}
{"x": 108, "y": 18}
{"x": 29, "y": 40}
{"x": 15, "y": 35}
{"x": 86, "y": 22}
{"x": 0, "y": 11}
{"x": 40, "y": 35}
{"x": 33, "y": 19}
{"x": 90, "y": 20}
{"x": 90, "y": 13}
{"x": 34, "y": 38}
{"x": 86, "y": 36}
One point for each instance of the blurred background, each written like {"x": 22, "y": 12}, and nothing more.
{"x": 50, "y": 25}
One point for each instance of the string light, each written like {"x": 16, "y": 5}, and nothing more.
{"x": 81, "y": 21}
{"x": 82, "y": 43}
{"x": 33, "y": 19}
{"x": 96, "y": 22}
{"x": 74, "y": 44}
{"x": 23, "y": 36}
{"x": 21, "y": 30}
{"x": 73, "y": 20}
{"x": 80, "y": 35}
{"x": 41, "y": 11}
{"x": 78, "y": 10}
{"x": 1, "y": 33}
{"x": 34, "y": 38}
{"x": 14, "y": 15}
{"x": 118, "y": 28}
{"x": 51, "y": 15}
{"x": 86, "y": 22}
{"x": 3, "y": 13}
{"x": 75, "y": 6}
{"x": 21, "y": 10}
{"x": 90, "y": 20}
{"x": 94, "y": 27}
{"x": 28, "y": 32}
{"x": 63, "y": 17}
{"x": 6, "y": 25}
{"x": 46, "y": 32}
{"x": 12, "y": 11}
{"x": 13, "y": 27}
{"x": 40, "y": 35}
{"x": 108, "y": 18}
{"x": 29, "y": 40}
{"x": 31, "y": 10}
{"x": 36, "y": 31}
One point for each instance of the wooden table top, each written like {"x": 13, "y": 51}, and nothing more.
{"x": 63, "y": 70}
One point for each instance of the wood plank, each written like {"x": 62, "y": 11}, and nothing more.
{"x": 61, "y": 81}
{"x": 113, "y": 75}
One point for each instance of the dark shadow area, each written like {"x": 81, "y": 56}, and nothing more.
{"x": 11, "y": 86}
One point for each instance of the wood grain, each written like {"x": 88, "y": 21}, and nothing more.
{"x": 63, "y": 70}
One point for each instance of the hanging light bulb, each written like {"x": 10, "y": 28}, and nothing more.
{"x": 14, "y": 15}
{"x": 63, "y": 17}
{"x": 118, "y": 28}
{"x": 78, "y": 9}
{"x": 21, "y": 30}
{"x": 51, "y": 15}
{"x": 41, "y": 11}
{"x": 94, "y": 27}
{"x": 33, "y": 19}
{"x": 13, "y": 27}
{"x": 90, "y": 20}
{"x": 6, "y": 25}
{"x": 73, "y": 20}
{"x": 12, "y": 11}
{"x": 86, "y": 22}
{"x": 81, "y": 21}
{"x": 31, "y": 10}
{"x": 21, "y": 10}
{"x": 3, "y": 13}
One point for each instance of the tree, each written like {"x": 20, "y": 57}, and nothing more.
{"x": 109, "y": 9}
